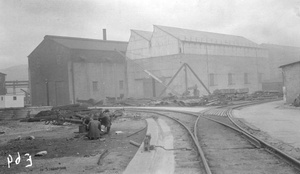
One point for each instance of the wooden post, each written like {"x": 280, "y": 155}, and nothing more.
{"x": 186, "y": 78}
{"x": 153, "y": 87}
{"x": 47, "y": 91}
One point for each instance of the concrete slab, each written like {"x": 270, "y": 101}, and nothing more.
{"x": 157, "y": 161}
{"x": 274, "y": 118}
{"x": 189, "y": 109}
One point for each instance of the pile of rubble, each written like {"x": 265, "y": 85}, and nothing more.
{"x": 69, "y": 113}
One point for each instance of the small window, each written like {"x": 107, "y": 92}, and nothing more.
{"x": 15, "y": 98}
{"x": 95, "y": 86}
{"x": 121, "y": 84}
{"x": 260, "y": 77}
{"x": 59, "y": 60}
{"x": 1, "y": 98}
{"x": 246, "y": 80}
{"x": 230, "y": 79}
{"x": 212, "y": 80}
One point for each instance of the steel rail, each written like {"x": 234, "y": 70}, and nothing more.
{"x": 289, "y": 159}
{"x": 260, "y": 143}
{"x": 195, "y": 140}
{"x": 252, "y": 139}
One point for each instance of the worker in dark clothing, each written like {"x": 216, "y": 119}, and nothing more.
{"x": 93, "y": 127}
{"x": 86, "y": 121}
{"x": 105, "y": 120}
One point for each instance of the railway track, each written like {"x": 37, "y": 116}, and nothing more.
{"x": 187, "y": 161}
{"x": 220, "y": 145}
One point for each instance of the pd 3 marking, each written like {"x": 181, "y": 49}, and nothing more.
{"x": 18, "y": 160}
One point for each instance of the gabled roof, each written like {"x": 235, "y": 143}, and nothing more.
{"x": 2, "y": 73}
{"x": 88, "y": 44}
{"x": 187, "y": 35}
{"x": 145, "y": 34}
{"x": 289, "y": 64}
{"x": 267, "y": 45}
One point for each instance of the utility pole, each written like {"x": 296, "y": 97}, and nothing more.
{"x": 47, "y": 91}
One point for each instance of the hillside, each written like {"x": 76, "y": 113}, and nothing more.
{"x": 18, "y": 72}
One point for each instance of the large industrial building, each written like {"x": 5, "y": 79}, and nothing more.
{"x": 64, "y": 70}
{"x": 220, "y": 61}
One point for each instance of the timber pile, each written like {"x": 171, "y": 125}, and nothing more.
{"x": 65, "y": 112}
{"x": 69, "y": 113}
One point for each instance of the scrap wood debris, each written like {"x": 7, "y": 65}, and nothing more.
{"x": 75, "y": 113}
{"x": 70, "y": 113}
{"x": 102, "y": 155}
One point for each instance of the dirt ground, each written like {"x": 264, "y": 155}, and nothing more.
{"x": 68, "y": 151}
{"x": 274, "y": 123}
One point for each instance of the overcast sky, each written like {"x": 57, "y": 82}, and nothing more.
{"x": 24, "y": 23}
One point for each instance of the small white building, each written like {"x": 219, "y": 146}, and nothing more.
{"x": 12, "y": 101}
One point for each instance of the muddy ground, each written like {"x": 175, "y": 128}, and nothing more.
{"x": 68, "y": 151}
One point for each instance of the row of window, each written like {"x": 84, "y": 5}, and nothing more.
{"x": 96, "y": 87}
{"x": 14, "y": 98}
{"x": 213, "y": 79}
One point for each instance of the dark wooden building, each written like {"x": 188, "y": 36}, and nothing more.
{"x": 2, "y": 84}
{"x": 64, "y": 70}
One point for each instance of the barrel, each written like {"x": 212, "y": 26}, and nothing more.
{"x": 82, "y": 128}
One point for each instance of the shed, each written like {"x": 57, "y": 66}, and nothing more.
{"x": 12, "y": 101}
{"x": 65, "y": 70}
{"x": 291, "y": 80}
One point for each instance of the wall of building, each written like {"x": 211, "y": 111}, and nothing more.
{"x": 11, "y": 101}
{"x": 203, "y": 65}
{"x": 2, "y": 84}
{"x": 272, "y": 86}
{"x": 98, "y": 80}
{"x": 292, "y": 81}
{"x": 279, "y": 55}
{"x": 160, "y": 44}
{"x": 163, "y": 44}
{"x": 2, "y": 101}
{"x": 214, "y": 63}
{"x": 48, "y": 67}
{"x": 233, "y": 56}
{"x": 225, "y": 50}
{"x": 138, "y": 47}
{"x": 97, "y": 75}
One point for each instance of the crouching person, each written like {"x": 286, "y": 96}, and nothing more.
{"x": 94, "y": 128}
{"x": 105, "y": 120}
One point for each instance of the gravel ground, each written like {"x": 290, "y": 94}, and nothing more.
{"x": 229, "y": 152}
{"x": 276, "y": 126}
{"x": 67, "y": 150}
{"x": 283, "y": 146}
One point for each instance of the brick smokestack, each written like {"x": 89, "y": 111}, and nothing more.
{"x": 104, "y": 34}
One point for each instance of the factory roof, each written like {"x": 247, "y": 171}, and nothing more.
{"x": 187, "y": 35}
{"x": 145, "y": 34}
{"x": 282, "y": 66}
{"x": 88, "y": 44}
{"x": 88, "y": 49}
